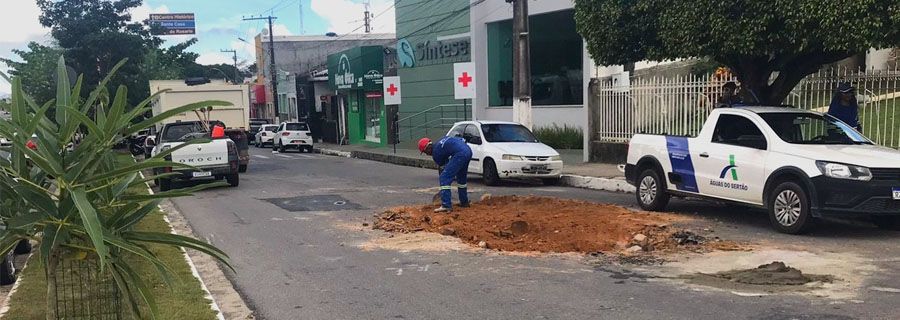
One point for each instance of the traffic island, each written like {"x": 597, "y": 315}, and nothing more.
{"x": 545, "y": 224}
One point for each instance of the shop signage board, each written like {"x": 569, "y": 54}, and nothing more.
{"x": 358, "y": 68}
{"x": 392, "y": 91}
{"x": 464, "y": 77}
{"x": 173, "y": 24}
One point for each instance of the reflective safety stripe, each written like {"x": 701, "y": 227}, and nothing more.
{"x": 446, "y": 188}
{"x": 461, "y": 186}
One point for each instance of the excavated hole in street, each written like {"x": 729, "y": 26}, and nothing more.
{"x": 546, "y": 224}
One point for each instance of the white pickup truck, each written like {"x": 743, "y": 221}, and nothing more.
{"x": 215, "y": 159}
{"x": 798, "y": 165}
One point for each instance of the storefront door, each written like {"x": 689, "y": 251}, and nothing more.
{"x": 373, "y": 119}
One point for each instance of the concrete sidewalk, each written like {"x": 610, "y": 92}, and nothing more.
{"x": 597, "y": 176}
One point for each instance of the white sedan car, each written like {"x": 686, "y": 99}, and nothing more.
{"x": 265, "y": 135}
{"x": 508, "y": 150}
{"x": 293, "y": 135}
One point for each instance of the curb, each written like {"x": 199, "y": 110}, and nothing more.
{"x": 566, "y": 180}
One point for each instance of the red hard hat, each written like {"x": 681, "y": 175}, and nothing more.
{"x": 423, "y": 143}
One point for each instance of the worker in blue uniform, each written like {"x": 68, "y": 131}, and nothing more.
{"x": 454, "y": 155}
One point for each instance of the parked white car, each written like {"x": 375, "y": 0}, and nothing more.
{"x": 293, "y": 135}
{"x": 502, "y": 150}
{"x": 265, "y": 135}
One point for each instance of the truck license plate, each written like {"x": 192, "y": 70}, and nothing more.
{"x": 202, "y": 174}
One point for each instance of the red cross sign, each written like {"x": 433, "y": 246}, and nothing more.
{"x": 392, "y": 92}
{"x": 466, "y": 80}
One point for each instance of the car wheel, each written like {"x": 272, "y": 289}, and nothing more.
{"x": 242, "y": 168}
{"x": 165, "y": 184}
{"x": 651, "y": 192}
{"x": 491, "y": 178}
{"x": 887, "y": 223}
{"x": 23, "y": 247}
{"x": 550, "y": 181}
{"x": 233, "y": 179}
{"x": 282, "y": 149}
{"x": 7, "y": 271}
{"x": 789, "y": 210}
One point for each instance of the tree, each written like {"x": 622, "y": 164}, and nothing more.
{"x": 36, "y": 69}
{"x": 759, "y": 40}
{"x": 97, "y": 34}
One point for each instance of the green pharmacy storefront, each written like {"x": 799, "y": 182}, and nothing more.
{"x": 356, "y": 76}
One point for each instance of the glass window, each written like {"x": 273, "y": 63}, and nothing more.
{"x": 297, "y": 127}
{"x": 472, "y": 131}
{"x": 739, "y": 131}
{"x": 807, "y": 128}
{"x": 182, "y": 132}
{"x": 457, "y": 131}
{"x": 507, "y": 133}
{"x": 556, "y": 60}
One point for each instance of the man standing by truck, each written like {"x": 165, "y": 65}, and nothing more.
{"x": 454, "y": 155}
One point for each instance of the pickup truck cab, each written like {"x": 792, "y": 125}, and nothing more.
{"x": 798, "y": 165}
{"x": 215, "y": 159}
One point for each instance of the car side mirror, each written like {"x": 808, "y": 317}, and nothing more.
{"x": 474, "y": 140}
{"x": 150, "y": 141}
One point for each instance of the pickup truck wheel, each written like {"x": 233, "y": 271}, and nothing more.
{"x": 789, "y": 210}
{"x": 233, "y": 180}
{"x": 491, "y": 178}
{"x": 165, "y": 185}
{"x": 651, "y": 191}
{"x": 7, "y": 271}
{"x": 887, "y": 223}
{"x": 23, "y": 247}
{"x": 242, "y": 168}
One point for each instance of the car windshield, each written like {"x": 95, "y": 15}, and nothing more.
{"x": 182, "y": 132}
{"x": 808, "y": 128}
{"x": 507, "y": 133}
{"x": 296, "y": 127}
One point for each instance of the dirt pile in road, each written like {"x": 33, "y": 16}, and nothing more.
{"x": 544, "y": 224}
{"x": 775, "y": 273}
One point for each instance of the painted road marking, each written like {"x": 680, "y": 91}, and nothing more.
{"x": 260, "y": 156}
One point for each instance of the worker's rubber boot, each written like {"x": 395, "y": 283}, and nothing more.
{"x": 465, "y": 205}
{"x": 442, "y": 209}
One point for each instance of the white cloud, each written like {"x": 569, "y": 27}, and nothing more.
{"x": 345, "y": 16}
{"x": 19, "y": 21}
{"x": 208, "y": 58}
{"x": 141, "y": 13}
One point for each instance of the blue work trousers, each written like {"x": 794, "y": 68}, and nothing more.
{"x": 457, "y": 168}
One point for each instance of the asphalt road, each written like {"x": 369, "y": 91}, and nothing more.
{"x": 307, "y": 264}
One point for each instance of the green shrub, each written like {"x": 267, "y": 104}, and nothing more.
{"x": 70, "y": 194}
{"x": 557, "y": 137}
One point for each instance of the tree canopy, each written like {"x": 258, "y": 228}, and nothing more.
{"x": 36, "y": 70}
{"x": 756, "y": 39}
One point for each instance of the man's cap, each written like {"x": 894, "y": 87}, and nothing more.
{"x": 423, "y": 143}
{"x": 845, "y": 87}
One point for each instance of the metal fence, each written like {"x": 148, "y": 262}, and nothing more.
{"x": 85, "y": 293}
{"x": 679, "y": 105}
{"x": 436, "y": 120}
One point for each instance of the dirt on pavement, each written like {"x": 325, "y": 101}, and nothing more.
{"x": 545, "y": 224}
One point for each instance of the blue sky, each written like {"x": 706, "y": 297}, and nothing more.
{"x": 219, "y": 23}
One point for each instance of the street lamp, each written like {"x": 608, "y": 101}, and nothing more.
{"x": 224, "y": 77}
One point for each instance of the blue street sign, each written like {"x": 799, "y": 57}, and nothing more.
{"x": 172, "y": 23}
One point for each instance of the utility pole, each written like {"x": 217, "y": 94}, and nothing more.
{"x": 273, "y": 73}
{"x": 301, "y": 18}
{"x": 521, "y": 65}
{"x": 236, "y": 72}
{"x": 367, "y": 19}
